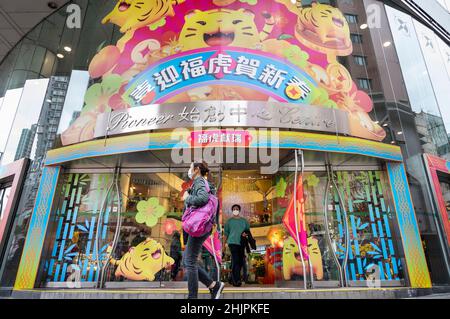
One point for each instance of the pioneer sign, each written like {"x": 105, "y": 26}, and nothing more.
{"x": 223, "y": 114}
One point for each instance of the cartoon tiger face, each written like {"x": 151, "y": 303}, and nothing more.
{"x": 324, "y": 28}
{"x": 221, "y": 27}
{"x": 292, "y": 264}
{"x": 143, "y": 261}
{"x": 134, "y": 14}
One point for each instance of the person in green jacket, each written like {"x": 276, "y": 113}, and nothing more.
{"x": 234, "y": 228}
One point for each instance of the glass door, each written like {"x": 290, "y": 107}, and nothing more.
{"x": 255, "y": 194}
{"x": 345, "y": 224}
{"x": 303, "y": 247}
{"x": 361, "y": 199}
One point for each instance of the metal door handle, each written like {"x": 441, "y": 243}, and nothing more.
{"x": 327, "y": 230}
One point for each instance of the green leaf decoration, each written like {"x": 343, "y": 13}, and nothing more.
{"x": 285, "y": 37}
{"x": 158, "y": 24}
{"x": 280, "y": 187}
{"x": 297, "y": 56}
{"x": 250, "y": 2}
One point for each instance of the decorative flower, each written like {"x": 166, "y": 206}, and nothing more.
{"x": 320, "y": 96}
{"x": 116, "y": 102}
{"x": 98, "y": 95}
{"x": 312, "y": 180}
{"x": 170, "y": 226}
{"x": 149, "y": 212}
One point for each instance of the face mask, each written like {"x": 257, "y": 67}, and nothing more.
{"x": 236, "y": 212}
{"x": 190, "y": 174}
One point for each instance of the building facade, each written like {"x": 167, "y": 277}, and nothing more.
{"x": 332, "y": 133}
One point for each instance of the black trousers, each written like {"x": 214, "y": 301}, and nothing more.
{"x": 237, "y": 262}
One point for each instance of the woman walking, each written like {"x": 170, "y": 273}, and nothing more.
{"x": 198, "y": 196}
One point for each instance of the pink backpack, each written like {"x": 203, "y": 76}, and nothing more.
{"x": 197, "y": 221}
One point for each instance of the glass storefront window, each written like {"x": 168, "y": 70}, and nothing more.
{"x": 73, "y": 241}
{"x": 146, "y": 243}
{"x": 5, "y": 190}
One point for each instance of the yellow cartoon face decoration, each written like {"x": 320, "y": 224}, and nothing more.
{"x": 292, "y": 263}
{"x": 325, "y": 29}
{"x": 143, "y": 262}
{"x": 134, "y": 14}
{"x": 223, "y": 27}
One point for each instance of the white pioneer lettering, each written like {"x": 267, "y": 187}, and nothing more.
{"x": 124, "y": 121}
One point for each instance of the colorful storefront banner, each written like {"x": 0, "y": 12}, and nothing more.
{"x": 31, "y": 255}
{"x": 436, "y": 164}
{"x": 419, "y": 276}
{"x": 183, "y": 140}
{"x": 237, "y": 50}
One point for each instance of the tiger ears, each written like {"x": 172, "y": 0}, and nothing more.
{"x": 250, "y": 13}
{"x": 107, "y": 19}
{"x": 191, "y": 13}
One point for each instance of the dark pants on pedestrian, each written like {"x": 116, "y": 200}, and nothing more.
{"x": 193, "y": 269}
{"x": 176, "y": 266}
{"x": 237, "y": 262}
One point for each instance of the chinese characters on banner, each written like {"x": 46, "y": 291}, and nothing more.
{"x": 282, "y": 81}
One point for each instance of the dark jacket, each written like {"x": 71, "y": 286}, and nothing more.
{"x": 198, "y": 196}
{"x": 248, "y": 243}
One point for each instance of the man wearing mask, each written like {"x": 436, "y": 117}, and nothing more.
{"x": 234, "y": 228}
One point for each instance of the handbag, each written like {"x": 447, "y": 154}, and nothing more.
{"x": 198, "y": 221}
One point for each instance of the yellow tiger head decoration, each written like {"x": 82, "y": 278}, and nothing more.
{"x": 292, "y": 263}
{"x": 143, "y": 262}
{"x": 134, "y": 14}
{"x": 324, "y": 28}
{"x": 223, "y": 27}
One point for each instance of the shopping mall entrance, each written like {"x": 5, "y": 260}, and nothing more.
{"x": 345, "y": 223}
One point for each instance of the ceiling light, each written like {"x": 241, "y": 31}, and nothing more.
{"x": 60, "y": 55}
{"x": 68, "y": 49}
{"x": 364, "y": 26}
{"x": 400, "y": 133}
{"x": 385, "y": 125}
{"x": 387, "y": 44}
